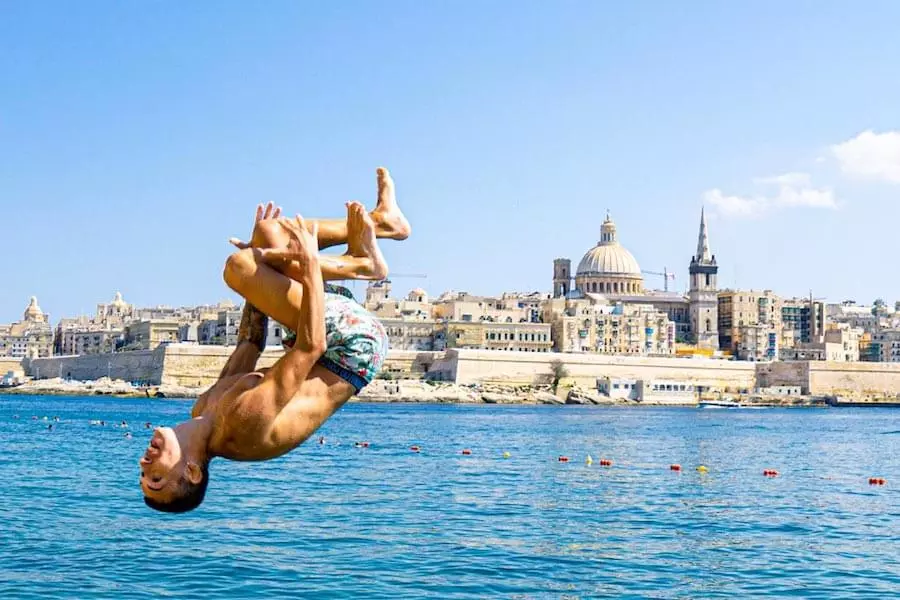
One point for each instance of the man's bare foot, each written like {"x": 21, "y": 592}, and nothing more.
{"x": 362, "y": 240}
{"x": 388, "y": 217}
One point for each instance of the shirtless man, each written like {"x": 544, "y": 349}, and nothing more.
{"x": 250, "y": 414}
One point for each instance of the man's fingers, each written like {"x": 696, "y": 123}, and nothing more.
{"x": 268, "y": 213}
{"x": 314, "y": 230}
{"x": 238, "y": 243}
{"x": 277, "y": 212}
{"x": 259, "y": 212}
{"x": 289, "y": 225}
{"x": 275, "y": 254}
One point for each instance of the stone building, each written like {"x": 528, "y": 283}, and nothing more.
{"x": 410, "y": 334}
{"x": 803, "y": 320}
{"x": 593, "y": 324}
{"x": 610, "y": 270}
{"x": 32, "y": 337}
{"x": 415, "y": 307}
{"x": 840, "y": 343}
{"x": 488, "y": 335}
{"x": 750, "y": 313}
{"x": 466, "y": 308}
{"x": 885, "y": 346}
{"x": 150, "y": 333}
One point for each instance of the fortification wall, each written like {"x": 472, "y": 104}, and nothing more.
{"x": 525, "y": 367}
{"x": 199, "y": 366}
{"x": 144, "y": 366}
{"x": 861, "y": 378}
{"x": 10, "y": 364}
{"x": 191, "y": 365}
{"x": 784, "y": 373}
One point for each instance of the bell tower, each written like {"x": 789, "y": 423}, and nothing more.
{"x": 703, "y": 295}
{"x": 562, "y": 277}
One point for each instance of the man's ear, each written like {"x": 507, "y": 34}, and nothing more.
{"x": 193, "y": 473}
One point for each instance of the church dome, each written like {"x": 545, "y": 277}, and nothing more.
{"x": 608, "y": 257}
{"x": 34, "y": 312}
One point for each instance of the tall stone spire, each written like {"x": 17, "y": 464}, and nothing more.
{"x": 703, "y": 255}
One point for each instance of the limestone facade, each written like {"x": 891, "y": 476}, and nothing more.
{"x": 149, "y": 334}
{"x": 755, "y": 313}
{"x": 592, "y": 324}
{"x": 32, "y": 337}
{"x": 411, "y": 334}
{"x": 886, "y": 346}
{"x": 487, "y": 335}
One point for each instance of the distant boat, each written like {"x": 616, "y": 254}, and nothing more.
{"x": 719, "y": 404}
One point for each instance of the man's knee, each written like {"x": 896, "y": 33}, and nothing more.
{"x": 269, "y": 234}
{"x": 239, "y": 267}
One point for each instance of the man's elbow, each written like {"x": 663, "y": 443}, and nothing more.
{"x": 319, "y": 347}
{"x": 315, "y": 348}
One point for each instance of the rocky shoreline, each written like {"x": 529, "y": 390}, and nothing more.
{"x": 401, "y": 391}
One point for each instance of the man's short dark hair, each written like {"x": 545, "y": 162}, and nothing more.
{"x": 190, "y": 495}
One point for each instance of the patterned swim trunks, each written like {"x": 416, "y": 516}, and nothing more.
{"x": 357, "y": 342}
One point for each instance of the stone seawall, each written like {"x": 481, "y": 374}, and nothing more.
{"x": 10, "y": 364}
{"x": 821, "y": 378}
{"x": 198, "y": 366}
{"x": 468, "y": 366}
{"x": 144, "y": 366}
{"x": 187, "y": 365}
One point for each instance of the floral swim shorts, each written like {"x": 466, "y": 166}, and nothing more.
{"x": 357, "y": 341}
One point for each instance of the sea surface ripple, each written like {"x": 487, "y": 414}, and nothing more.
{"x": 337, "y": 521}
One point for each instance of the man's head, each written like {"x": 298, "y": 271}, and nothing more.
{"x": 171, "y": 480}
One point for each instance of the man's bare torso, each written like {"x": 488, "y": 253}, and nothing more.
{"x": 249, "y": 430}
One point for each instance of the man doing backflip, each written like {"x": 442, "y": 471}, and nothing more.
{"x": 337, "y": 348}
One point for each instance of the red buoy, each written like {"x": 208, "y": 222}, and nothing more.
{"x": 605, "y": 462}
{"x": 563, "y": 459}
{"x": 466, "y": 451}
{"x": 675, "y": 467}
{"x": 414, "y": 448}
{"x": 877, "y": 481}
{"x": 770, "y": 473}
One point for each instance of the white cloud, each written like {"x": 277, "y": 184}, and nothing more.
{"x": 799, "y": 179}
{"x": 870, "y": 155}
{"x": 734, "y": 206}
{"x": 793, "y": 190}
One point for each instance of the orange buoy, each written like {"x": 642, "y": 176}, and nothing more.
{"x": 605, "y": 462}
{"x": 563, "y": 459}
{"x": 876, "y": 481}
{"x": 414, "y": 448}
{"x": 466, "y": 451}
{"x": 675, "y": 467}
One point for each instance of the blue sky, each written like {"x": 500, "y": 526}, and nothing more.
{"x": 135, "y": 138}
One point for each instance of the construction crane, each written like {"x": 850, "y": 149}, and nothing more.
{"x": 666, "y": 275}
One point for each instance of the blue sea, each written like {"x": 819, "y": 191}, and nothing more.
{"x": 337, "y": 521}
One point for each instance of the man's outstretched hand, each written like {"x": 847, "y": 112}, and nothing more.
{"x": 270, "y": 211}
{"x": 303, "y": 246}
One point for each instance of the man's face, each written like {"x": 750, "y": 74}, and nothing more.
{"x": 161, "y": 465}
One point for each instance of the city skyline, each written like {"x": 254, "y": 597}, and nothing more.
{"x": 139, "y": 139}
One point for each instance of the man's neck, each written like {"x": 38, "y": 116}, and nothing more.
{"x": 194, "y": 437}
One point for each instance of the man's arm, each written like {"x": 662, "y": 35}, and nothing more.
{"x": 250, "y": 343}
